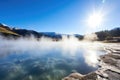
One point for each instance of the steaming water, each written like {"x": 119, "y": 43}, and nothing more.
{"x": 46, "y": 61}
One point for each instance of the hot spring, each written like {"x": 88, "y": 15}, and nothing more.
{"x": 29, "y": 59}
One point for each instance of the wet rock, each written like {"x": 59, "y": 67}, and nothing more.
{"x": 78, "y": 76}
{"x": 74, "y": 76}
{"x": 90, "y": 76}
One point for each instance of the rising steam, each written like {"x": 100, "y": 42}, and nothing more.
{"x": 67, "y": 46}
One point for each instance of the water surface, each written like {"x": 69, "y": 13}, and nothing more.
{"x": 46, "y": 61}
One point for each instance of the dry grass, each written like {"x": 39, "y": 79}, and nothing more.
{"x": 3, "y": 30}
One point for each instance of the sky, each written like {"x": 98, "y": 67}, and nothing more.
{"x": 60, "y": 16}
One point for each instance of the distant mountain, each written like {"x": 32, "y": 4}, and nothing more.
{"x": 6, "y": 31}
{"x": 27, "y": 33}
{"x": 14, "y": 32}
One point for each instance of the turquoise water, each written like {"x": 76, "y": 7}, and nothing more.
{"x": 52, "y": 64}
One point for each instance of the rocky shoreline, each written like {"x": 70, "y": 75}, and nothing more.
{"x": 109, "y": 66}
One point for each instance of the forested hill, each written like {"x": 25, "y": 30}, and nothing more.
{"x": 113, "y": 34}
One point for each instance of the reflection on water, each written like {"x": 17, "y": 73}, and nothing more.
{"x": 46, "y": 60}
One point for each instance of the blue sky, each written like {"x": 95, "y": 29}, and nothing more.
{"x": 61, "y": 16}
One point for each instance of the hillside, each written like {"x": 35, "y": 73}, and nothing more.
{"x": 6, "y": 31}
{"x": 109, "y": 35}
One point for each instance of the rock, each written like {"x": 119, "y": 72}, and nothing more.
{"x": 74, "y": 76}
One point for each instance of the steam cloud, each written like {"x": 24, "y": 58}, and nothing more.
{"x": 67, "y": 46}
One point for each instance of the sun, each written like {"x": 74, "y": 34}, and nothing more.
{"x": 95, "y": 20}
